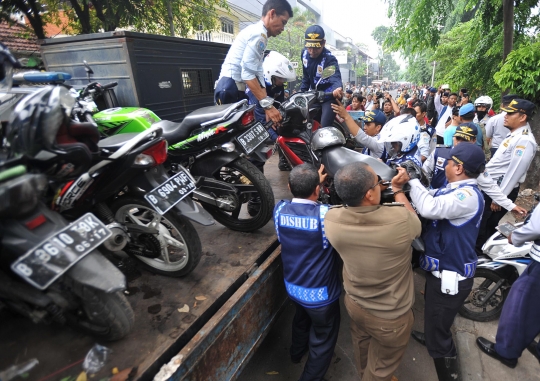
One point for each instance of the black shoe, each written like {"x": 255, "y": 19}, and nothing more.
{"x": 447, "y": 368}
{"x": 419, "y": 336}
{"x": 254, "y": 206}
{"x": 532, "y": 348}
{"x": 488, "y": 348}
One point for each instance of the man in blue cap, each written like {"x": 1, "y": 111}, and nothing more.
{"x": 243, "y": 64}
{"x": 454, "y": 215}
{"x": 315, "y": 58}
{"x": 369, "y": 137}
{"x": 466, "y": 114}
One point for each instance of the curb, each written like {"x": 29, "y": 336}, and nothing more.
{"x": 470, "y": 361}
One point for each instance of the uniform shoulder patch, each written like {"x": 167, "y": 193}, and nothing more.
{"x": 440, "y": 161}
{"x": 461, "y": 195}
{"x": 261, "y": 46}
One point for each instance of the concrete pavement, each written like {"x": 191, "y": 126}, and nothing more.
{"x": 272, "y": 362}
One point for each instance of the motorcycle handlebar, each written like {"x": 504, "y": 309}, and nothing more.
{"x": 109, "y": 85}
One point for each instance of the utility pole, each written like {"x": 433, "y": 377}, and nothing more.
{"x": 433, "y": 74}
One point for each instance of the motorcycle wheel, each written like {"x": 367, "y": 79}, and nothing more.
{"x": 179, "y": 244}
{"x": 107, "y": 316}
{"x": 241, "y": 171}
{"x": 484, "y": 281}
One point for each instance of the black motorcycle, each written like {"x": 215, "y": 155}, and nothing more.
{"x": 50, "y": 269}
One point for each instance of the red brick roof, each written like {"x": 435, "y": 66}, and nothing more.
{"x": 17, "y": 37}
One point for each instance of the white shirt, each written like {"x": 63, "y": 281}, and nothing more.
{"x": 244, "y": 59}
{"x": 426, "y": 144}
{"x": 458, "y": 206}
{"x": 438, "y": 105}
{"x": 496, "y": 130}
{"x": 510, "y": 163}
{"x": 372, "y": 143}
{"x": 441, "y": 124}
{"x": 368, "y": 105}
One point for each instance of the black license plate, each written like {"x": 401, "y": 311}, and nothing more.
{"x": 253, "y": 138}
{"x": 171, "y": 192}
{"x": 42, "y": 265}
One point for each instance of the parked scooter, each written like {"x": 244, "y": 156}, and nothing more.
{"x": 126, "y": 186}
{"x": 212, "y": 143}
{"x": 495, "y": 275}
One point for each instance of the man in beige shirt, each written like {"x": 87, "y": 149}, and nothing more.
{"x": 374, "y": 242}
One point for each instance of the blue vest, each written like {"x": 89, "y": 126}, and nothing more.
{"x": 413, "y": 155}
{"x": 309, "y": 261}
{"x": 439, "y": 179}
{"x": 451, "y": 247}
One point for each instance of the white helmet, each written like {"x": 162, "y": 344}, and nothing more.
{"x": 403, "y": 129}
{"x": 484, "y": 100}
{"x": 276, "y": 65}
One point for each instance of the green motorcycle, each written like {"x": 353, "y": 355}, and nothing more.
{"x": 212, "y": 142}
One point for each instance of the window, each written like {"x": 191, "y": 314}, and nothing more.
{"x": 197, "y": 82}
{"x": 227, "y": 26}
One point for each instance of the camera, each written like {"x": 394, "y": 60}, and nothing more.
{"x": 379, "y": 95}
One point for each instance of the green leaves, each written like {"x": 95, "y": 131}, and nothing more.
{"x": 521, "y": 72}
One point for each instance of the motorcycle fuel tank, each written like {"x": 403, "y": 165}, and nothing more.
{"x": 124, "y": 119}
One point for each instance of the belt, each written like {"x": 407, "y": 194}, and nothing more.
{"x": 437, "y": 274}
{"x": 241, "y": 86}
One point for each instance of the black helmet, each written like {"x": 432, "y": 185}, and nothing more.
{"x": 40, "y": 129}
{"x": 7, "y": 63}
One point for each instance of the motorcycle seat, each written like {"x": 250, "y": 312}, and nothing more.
{"x": 112, "y": 143}
{"x": 335, "y": 158}
{"x": 176, "y": 132}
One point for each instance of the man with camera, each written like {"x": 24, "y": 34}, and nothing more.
{"x": 390, "y": 107}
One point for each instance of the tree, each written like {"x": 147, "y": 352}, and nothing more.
{"x": 390, "y": 68}
{"x": 174, "y": 17}
{"x": 32, "y": 9}
{"x": 290, "y": 42}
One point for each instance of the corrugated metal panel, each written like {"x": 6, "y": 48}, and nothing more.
{"x": 147, "y": 67}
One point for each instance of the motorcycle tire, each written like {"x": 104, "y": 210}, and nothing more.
{"x": 107, "y": 316}
{"x": 184, "y": 240}
{"x": 484, "y": 279}
{"x": 241, "y": 171}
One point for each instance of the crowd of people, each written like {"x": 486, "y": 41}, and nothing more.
{"x": 475, "y": 162}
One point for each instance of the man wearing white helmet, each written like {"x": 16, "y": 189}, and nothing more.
{"x": 482, "y": 106}
{"x": 277, "y": 71}
{"x": 402, "y": 135}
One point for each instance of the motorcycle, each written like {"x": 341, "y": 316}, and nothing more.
{"x": 495, "y": 275}
{"x": 51, "y": 270}
{"x": 212, "y": 143}
{"x": 128, "y": 189}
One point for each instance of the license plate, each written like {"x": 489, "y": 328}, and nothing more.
{"x": 42, "y": 265}
{"x": 171, "y": 192}
{"x": 253, "y": 138}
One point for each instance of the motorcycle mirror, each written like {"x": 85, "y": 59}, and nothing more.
{"x": 328, "y": 72}
{"x": 88, "y": 69}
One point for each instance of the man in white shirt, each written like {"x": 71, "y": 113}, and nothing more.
{"x": 243, "y": 64}
{"x": 495, "y": 130}
{"x": 508, "y": 166}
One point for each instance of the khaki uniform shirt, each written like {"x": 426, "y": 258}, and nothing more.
{"x": 375, "y": 245}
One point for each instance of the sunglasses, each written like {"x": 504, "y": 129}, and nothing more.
{"x": 379, "y": 182}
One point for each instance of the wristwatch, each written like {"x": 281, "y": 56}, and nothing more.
{"x": 267, "y": 103}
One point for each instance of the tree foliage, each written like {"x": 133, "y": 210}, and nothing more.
{"x": 291, "y": 41}
{"x": 32, "y": 9}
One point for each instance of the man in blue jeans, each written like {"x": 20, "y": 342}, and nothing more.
{"x": 310, "y": 271}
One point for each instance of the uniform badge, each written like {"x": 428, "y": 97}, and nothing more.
{"x": 304, "y": 61}
{"x": 440, "y": 162}
{"x": 263, "y": 36}
{"x": 319, "y": 69}
{"x": 460, "y": 196}
{"x": 519, "y": 152}
{"x": 486, "y": 174}
{"x": 261, "y": 46}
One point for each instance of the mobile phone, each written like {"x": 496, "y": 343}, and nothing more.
{"x": 506, "y": 228}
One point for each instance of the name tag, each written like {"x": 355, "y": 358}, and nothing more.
{"x": 299, "y": 222}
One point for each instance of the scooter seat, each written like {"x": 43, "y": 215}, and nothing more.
{"x": 176, "y": 132}
{"x": 112, "y": 143}
{"x": 335, "y": 158}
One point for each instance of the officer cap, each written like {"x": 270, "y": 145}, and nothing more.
{"x": 466, "y": 109}
{"x": 467, "y": 131}
{"x": 520, "y": 105}
{"x": 509, "y": 98}
{"x": 314, "y": 36}
{"x": 469, "y": 155}
{"x": 376, "y": 116}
